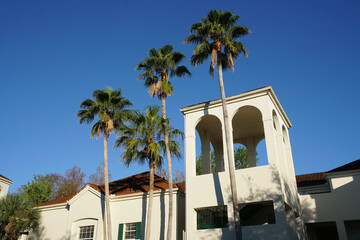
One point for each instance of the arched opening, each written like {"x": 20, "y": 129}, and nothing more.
{"x": 209, "y": 146}
{"x": 248, "y": 132}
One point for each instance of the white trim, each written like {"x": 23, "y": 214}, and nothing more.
{"x": 343, "y": 173}
{"x": 324, "y": 188}
{"x": 6, "y": 181}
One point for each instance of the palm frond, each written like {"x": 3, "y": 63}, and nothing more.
{"x": 180, "y": 72}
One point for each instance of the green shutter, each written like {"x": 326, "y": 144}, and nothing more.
{"x": 121, "y": 229}
{"x": 138, "y": 230}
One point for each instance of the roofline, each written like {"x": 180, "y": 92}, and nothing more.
{"x": 342, "y": 173}
{"x": 263, "y": 90}
{"x": 6, "y": 180}
{"x": 112, "y": 197}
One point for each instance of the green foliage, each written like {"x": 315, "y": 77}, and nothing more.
{"x": 215, "y": 36}
{"x": 199, "y": 170}
{"x": 240, "y": 157}
{"x": 142, "y": 138}
{"x": 17, "y": 215}
{"x": 51, "y": 186}
{"x": 40, "y": 189}
{"x": 157, "y": 67}
{"x": 110, "y": 108}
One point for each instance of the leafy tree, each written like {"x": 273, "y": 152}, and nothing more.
{"x": 240, "y": 155}
{"x": 110, "y": 108}
{"x": 199, "y": 163}
{"x": 156, "y": 70}
{"x": 68, "y": 184}
{"x": 39, "y": 190}
{"x": 143, "y": 142}
{"x": 98, "y": 178}
{"x": 215, "y": 36}
{"x": 17, "y": 215}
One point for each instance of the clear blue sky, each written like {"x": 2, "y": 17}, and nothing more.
{"x": 53, "y": 54}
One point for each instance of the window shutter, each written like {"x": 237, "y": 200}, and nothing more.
{"x": 121, "y": 229}
{"x": 138, "y": 230}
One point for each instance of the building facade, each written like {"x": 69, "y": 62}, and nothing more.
{"x": 81, "y": 216}
{"x": 269, "y": 201}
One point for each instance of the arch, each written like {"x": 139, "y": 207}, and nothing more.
{"x": 209, "y": 129}
{"x": 248, "y": 130}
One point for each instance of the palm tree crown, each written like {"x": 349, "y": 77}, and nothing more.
{"x": 143, "y": 140}
{"x": 157, "y": 67}
{"x": 214, "y": 32}
{"x": 109, "y": 107}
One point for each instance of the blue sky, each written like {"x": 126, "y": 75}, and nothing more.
{"x": 53, "y": 54}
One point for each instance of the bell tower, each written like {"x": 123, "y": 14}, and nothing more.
{"x": 267, "y": 194}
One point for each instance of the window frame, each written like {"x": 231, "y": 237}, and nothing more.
{"x": 92, "y": 232}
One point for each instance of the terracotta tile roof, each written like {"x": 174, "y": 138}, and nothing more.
{"x": 2, "y": 176}
{"x": 181, "y": 185}
{"x": 133, "y": 184}
{"x": 310, "y": 179}
{"x": 347, "y": 167}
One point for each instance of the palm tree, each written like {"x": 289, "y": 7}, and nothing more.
{"x": 213, "y": 33}
{"x": 143, "y": 141}
{"x": 17, "y": 215}
{"x": 110, "y": 108}
{"x": 156, "y": 69}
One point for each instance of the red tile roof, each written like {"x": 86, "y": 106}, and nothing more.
{"x": 181, "y": 185}
{"x": 134, "y": 184}
{"x": 2, "y": 176}
{"x": 310, "y": 179}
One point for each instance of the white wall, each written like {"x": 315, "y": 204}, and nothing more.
{"x": 342, "y": 203}
{"x": 87, "y": 208}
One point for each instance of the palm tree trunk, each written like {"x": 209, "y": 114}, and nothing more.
{"x": 107, "y": 202}
{"x": 170, "y": 218}
{"x": 230, "y": 154}
{"x": 151, "y": 193}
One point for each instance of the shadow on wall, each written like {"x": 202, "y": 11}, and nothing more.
{"x": 263, "y": 212}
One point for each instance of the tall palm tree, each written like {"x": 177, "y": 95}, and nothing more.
{"x": 142, "y": 141}
{"x": 111, "y": 110}
{"x": 156, "y": 70}
{"x": 216, "y": 36}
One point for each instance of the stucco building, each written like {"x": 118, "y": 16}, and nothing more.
{"x": 274, "y": 203}
{"x": 81, "y": 216}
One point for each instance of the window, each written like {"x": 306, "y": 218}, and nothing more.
{"x": 86, "y": 232}
{"x": 129, "y": 231}
{"x": 259, "y": 213}
{"x": 214, "y": 217}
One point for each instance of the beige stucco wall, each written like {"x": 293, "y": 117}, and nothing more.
{"x": 275, "y": 181}
{"x": 4, "y": 186}
{"x": 339, "y": 205}
{"x": 87, "y": 208}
